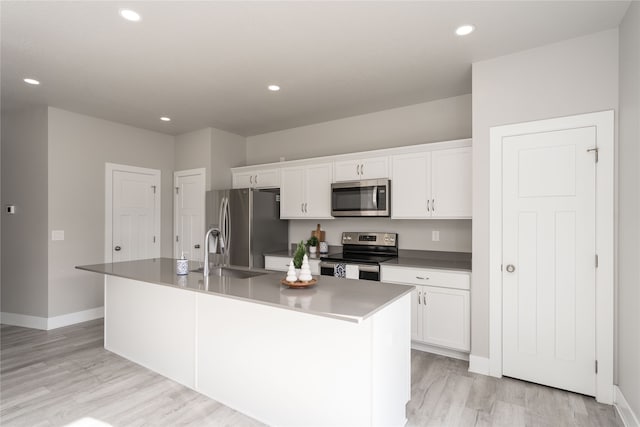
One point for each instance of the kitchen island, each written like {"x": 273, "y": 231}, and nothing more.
{"x": 336, "y": 354}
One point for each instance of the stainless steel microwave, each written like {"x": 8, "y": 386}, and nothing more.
{"x": 361, "y": 198}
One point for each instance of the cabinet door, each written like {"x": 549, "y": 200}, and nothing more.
{"x": 416, "y": 314}
{"x": 243, "y": 180}
{"x": 446, "y": 318}
{"x": 374, "y": 167}
{"x": 347, "y": 170}
{"x": 267, "y": 179}
{"x": 410, "y": 186}
{"x": 318, "y": 191}
{"x": 451, "y": 183}
{"x": 292, "y": 193}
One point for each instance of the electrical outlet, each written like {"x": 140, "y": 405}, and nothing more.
{"x": 435, "y": 236}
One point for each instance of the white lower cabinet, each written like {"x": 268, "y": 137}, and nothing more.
{"x": 440, "y": 311}
{"x": 279, "y": 263}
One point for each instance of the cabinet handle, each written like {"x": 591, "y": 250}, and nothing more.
{"x": 362, "y": 169}
{"x": 419, "y": 295}
{"x": 424, "y": 298}
{"x": 302, "y": 207}
{"x": 428, "y": 210}
{"x": 250, "y": 179}
{"x": 255, "y": 180}
{"x": 357, "y": 169}
{"x": 422, "y": 278}
{"x": 433, "y": 205}
{"x": 305, "y": 207}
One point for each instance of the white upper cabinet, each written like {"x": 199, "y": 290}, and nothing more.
{"x": 434, "y": 184}
{"x": 305, "y": 192}
{"x": 367, "y": 168}
{"x": 268, "y": 178}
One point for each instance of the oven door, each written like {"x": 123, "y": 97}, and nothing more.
{"x": 365, "y": 271}
{"x": 360, "y": 198}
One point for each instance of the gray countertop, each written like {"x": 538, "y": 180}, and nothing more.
{"x": 350, "y": 300}
{"x": 456, "y": 261}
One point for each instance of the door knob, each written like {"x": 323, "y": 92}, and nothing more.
{"x": 511, "y": 268}
{"x": 197, "y": 246}
{"x": 117, "y": 248}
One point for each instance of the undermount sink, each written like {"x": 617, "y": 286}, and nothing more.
{"x": 230, "y": 272}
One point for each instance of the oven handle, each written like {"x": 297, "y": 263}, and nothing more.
{"x": 362, "y": 267}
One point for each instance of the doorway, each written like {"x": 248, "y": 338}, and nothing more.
{"x": 551, "y": 252}
{"x": 132, "y": 213}
{"x": 189, "y": 213}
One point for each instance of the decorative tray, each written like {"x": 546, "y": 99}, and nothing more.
{"x": 298, "y": 284}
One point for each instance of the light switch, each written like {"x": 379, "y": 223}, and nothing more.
{"x": 435, "y": 236}
{"x": 57, "y": 235}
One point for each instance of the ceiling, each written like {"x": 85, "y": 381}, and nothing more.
{"x": 209, "y": 63}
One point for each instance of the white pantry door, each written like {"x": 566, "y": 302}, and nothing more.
{"x": 135, "y": 213}
{"x": 549, "y": 258}
{"x": 189, "y": 202}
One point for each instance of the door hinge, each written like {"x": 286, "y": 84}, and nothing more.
{"x": 154, "y": 189}
{"x": 177, "y": 190}
{"x": 154, "y": 239}
{"x": 596, "y": 366}
{"x": 596, "y": 260}
{"x": 595, "y": 150}
{"x": 177, "y": 238}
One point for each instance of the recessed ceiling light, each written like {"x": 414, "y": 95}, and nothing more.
{"x": 465, "y": 30}
{"x": 165, "y": 119}
{"x": 273, "y": 88}
{"x": 130, "y": 15}
{"x": 32, "y": 81}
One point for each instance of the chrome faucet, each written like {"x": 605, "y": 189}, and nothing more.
{"x": 216, "y": 233}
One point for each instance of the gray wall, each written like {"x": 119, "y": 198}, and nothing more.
{"x": 25, "y": 234}
{"x": 441, "y": 120}
{"x": 193, "y": 150}
{"x": 629, "y": 204}
{"x": 571, "y": 77}
{"x": 228, "y": 150}
{"x": 79, "y": 147}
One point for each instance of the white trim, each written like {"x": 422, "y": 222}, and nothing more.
{"x": 108, "y": 204}
{"x": 478, "y": 365}
{"x": 605, "y": 192}
{"x": 73, "y": 318}
{"x": 202, "y": 173}
{"x": 442, "y": 351}
{"x": 629, "y": 418}
{"x": 23, "y": 320}
{"x": 48, "y": 323}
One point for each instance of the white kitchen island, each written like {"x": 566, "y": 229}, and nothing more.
{"x": 337, "y": 354}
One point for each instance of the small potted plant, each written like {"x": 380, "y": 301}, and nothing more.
{"x": 299, "y": 254}
{"x": 312, "y": 244}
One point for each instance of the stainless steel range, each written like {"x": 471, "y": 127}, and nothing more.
{"x": 361, "y": 255}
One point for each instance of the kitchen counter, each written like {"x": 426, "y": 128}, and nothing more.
{"x": 336, "y": 354}
{"x": 456, "y": 261}
{"x": 352, "y": 301}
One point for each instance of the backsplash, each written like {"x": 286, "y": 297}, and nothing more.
{"x": 455, "y": 234}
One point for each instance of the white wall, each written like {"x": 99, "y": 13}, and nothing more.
{"x": 629, "y": 205}
{"x": 24, "y": 235}
{"x": 79, "y": 147}
{"x": 193, "y": 150}
{"x": 571, "y": 77}
{"x": 441, "y": 120}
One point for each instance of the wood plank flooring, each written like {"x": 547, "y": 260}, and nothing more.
{"x": 58, "y": 377}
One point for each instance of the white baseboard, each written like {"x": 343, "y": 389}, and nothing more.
{"x": 455, "y": 354}
{"x": 47, "y": 323}
{"x": 478, "y": 365}
{"x": 629, "y": 418}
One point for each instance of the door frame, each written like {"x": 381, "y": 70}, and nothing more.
{"x": 202, "y": 172}
{"x": 110, "y": 168}
{"x": 605, "y": 238}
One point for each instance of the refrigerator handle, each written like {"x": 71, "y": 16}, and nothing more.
{"x": 227, "y": 232}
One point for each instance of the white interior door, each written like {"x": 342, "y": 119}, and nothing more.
{"x": 549, "y": 258}
{"x": 134, "y": 213}
{"x": 189, "y": 214}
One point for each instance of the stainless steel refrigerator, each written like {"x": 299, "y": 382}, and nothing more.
{"x": 251, "y": 224}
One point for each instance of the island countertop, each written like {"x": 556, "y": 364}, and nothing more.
{"x": 350, "y": 300}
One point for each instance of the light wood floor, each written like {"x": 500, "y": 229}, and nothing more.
{"x": 53, "y": 378}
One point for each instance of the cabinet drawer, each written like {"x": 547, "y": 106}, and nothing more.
{"x": 425, "y": 277}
